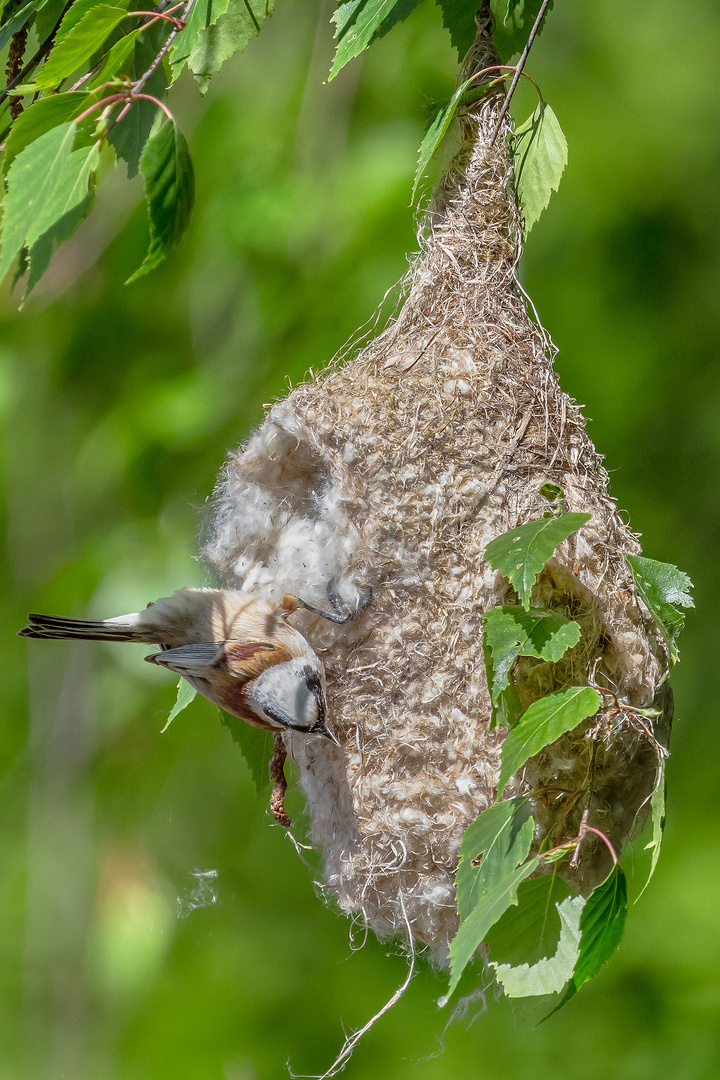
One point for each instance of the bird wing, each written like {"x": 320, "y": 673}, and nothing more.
{"x": 191, "y": 660}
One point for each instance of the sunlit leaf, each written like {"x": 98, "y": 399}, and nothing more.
{"x": 601, "y": 925}
{"x": 357, "y": 22}
{"x": 499, "y": 839}
{"x": 657, "y": 811}
{"x": 47, "y": 113}
{"x": 665, "y": 590}
{"x": 548, "y": 975}
{"x": 79, "y": 41}
{"x": 67, "y": 215}
{"x": 529, "y": 931}
{"x": 521, "y": 553}
{"x": 436, "y": 132}
{"x": 45, "y": 181}
{"x": 185, "y": 694}
{"x": 539, "y": 156}
{"x": 232, "y": 24}
{"x": 542, "y": 723}
{"x": 116, "y": 59}
{"x": 17, "y": 20}
{"x": 511, "y": 632}
{"x": 169, "y": 190}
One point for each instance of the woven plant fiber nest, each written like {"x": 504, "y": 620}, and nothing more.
{"x": 394, "y": 470}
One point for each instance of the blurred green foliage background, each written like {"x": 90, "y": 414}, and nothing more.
{"x": 119, "y": 405}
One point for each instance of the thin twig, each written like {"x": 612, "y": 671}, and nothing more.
{"x": 518, "y": 70}
{"x": 165, "y": 49}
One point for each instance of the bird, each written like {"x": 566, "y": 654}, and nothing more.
{"x": 234, "y": 648}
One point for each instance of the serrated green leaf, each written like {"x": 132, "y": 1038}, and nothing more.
{"x": 185, "y": 694}
{"x": 17, "y": 20}
{"x": 494, "y": 902}
{"x": 500, "y": 837}
{"x": 539, "y": 157}
{"x": 203, "y": 14}
{"x": 129, "y": 137}
{"x": 511, "y": 632}
{"x": 357, "y": 22}
{"x": 601, "y": 925}
{"x": 256, "y": 747}
{"x": 542, "y": 723}
{"x": 530, "y": 931}
{"x": 47, "y": 113}
{"x": 77, "y": 40}
{"x": 227, "y": 29}
{"x": 169, "y": 190}
{"x": 49, "y": 14}
{"x": 436, "y": 131}
{"x": 501, "y": 834}
{"x": 67, "y": 214}
{"x": 665, "y": 590}
{"x": 657, "y": 810}
{"x": 45, "y": 181}
{"x": 514, "y": 19}
{"x": 521, "y": 553}
{"x": 116, "y": 59}
{"x": 458, "y": 17}
{"x": 551, "y": 974}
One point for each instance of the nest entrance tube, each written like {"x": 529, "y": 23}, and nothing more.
{"x": 395, "y": 470}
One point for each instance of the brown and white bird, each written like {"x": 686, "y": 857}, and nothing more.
{"x": 235, "y": 649}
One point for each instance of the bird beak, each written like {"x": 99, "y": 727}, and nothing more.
{"x": 328, "y": 733}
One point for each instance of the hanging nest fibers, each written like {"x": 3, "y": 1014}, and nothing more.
{"x": 395, "y": 470}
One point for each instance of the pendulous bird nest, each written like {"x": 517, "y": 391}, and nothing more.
{"x": 395, "y": 469}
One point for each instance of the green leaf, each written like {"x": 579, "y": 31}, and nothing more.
{"x": 501, "y": 835}
{"x": 542, "y": 723}
{"x": 129, "y": 137}
{"x": 531, "y": 931}
{"x": 521, "y": 553}
{"x": 547, "y": 975}
{"x": 539, "y": 157}
{"x": 169, "y": 190}
{"x": 436, "y": 131}
{"x": 116, "y": 59}
{"x": 203, "y": 14}
{"x": 657, "y": 809}
{"x": 68, "y": 214}
{"x": 511, "y": 632}
{"x": 17, "y": 20}
{"x": 47, "y": 113}
{"x": 552, "y": 492}
{"x": 256, "y": 747}
{"x": 601, "y": 925}
{"x": 514, "y": 19}
{"x": 49, "y": 14}
{"x": 77, "y": 40}
{"x": 665, "y": 590}
{"x": 227, "y": 28}
{"x": 357, "y": 22}
{"x": 185, "y": 694}
{"x": 44, "y": 182}
{"x": 458, "y": 17}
